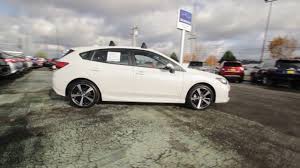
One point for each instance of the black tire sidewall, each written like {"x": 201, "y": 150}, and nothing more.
{"x": 85, "y": 82}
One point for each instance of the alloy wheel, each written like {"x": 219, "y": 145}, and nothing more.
{"x": 83, "y": 95}
{"x": 201, "y": 97}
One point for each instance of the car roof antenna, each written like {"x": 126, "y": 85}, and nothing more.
{"x": 112, "y": 43}
{"x": 144, "y": 45}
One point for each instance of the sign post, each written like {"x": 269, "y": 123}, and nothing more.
{"x": 184, "y": 23}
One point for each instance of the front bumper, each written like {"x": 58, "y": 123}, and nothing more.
{"x": 222, "y": 93}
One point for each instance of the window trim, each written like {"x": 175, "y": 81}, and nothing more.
{"x": 109, "y": 50}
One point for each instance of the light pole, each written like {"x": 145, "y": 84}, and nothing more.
{"x": 267, "y": 28}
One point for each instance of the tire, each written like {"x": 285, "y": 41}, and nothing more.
{"x": 293, "y": 84}
{"x": 197, "y": 93}
{"x": 266, "y": 81}
{"x": 240, "y": 80}
{"x": 253, "y": 79}
{"x": 83, "y": 94}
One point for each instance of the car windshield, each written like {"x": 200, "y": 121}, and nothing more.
{"x": 288, "y": 64}
{"x": 232, "y": 64}
{"x": 198, "y": 64}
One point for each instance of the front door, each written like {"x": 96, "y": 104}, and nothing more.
{"x": 153, "y": 82}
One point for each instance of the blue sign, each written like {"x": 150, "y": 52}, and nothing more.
{"x": 185, "y": 17}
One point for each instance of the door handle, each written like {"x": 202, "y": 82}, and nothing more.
{"x": 140, "y": 72}
{"x": 95, "y": 69}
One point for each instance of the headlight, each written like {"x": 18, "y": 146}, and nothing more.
{"x": 222, "y": 80}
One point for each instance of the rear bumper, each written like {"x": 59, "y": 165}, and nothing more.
{"x": 59, "y": 84}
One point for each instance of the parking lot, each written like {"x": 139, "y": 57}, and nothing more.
{"x": 259, "y": 127}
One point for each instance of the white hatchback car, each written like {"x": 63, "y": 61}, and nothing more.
{"x": 88, "y": 75}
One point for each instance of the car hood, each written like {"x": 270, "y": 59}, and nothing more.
{"x": 195, "y": 72}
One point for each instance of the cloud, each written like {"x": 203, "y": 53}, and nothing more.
{"x": 219, "y": 24}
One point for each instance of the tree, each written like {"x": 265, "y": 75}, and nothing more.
{"x": 282, "y": 47}
{"x": 189, "y": 57}
{"x": 41, "y": 54}
{"x": 211, "y": 60}
{"x": 228, "y": 56}
{"x": 174, "y": 57}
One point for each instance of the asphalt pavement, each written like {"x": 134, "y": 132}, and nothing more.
{"x": 259, "y": 127}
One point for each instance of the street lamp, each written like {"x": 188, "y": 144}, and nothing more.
{"x": 267, "y": 28}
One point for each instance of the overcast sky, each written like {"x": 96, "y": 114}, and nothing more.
{"x": 219, "y": 24}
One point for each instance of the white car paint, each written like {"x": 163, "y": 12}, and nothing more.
{"x": 124, "y": 83}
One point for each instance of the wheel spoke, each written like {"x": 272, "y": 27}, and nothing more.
{"x": 207, "y": 101}
{"x": 75, "y": 95}
{"x": 81, "y": 101}
{"x": 207, "y": 93}
{"x": 199, "y": 91}
{"x": 89, "y": 90}
{"x": 79, "y": 88}
{"x": 89, "y": 99}
{"x": 199, "y": 103}
{"x": 195, "y": 98}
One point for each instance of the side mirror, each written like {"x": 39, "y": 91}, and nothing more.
{"x": 170, "y": 67}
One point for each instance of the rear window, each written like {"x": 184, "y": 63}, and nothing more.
{"x": 232, "y": 64}
{"x": 112, "y": 56}
{"x": 67, "y": 52}
{"x": 86, "y": 55}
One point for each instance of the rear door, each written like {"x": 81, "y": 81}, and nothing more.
{"x": 112, "y": 70}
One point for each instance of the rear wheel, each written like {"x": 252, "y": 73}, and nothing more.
{"x": 83, "y": 94}
{"x": 200, "y": 97}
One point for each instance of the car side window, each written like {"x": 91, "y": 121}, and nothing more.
{"x": 86, "y": 55}
{"x": 151, "y": 60}
{"x": 112, "y": 56}
{"x": 146, "y": 59}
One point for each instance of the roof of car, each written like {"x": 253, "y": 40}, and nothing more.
{"x": 105, "y": 47}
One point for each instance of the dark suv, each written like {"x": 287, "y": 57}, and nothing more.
{"x": 284, "y": 71}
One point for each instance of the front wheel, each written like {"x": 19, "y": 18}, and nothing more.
{"x": 83, "y": 94}
{"x": 200, "y": 97}
{"x": 267, "y": 81}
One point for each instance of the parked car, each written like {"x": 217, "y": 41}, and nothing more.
{"x": 283, "y": 71}
{"x": 201, "y": 66}
{"x": 248, "y": 69}
{"x": 88, "y": 75}
{"x": 26, "y": 63}
{"x": 8, "y": 64}
{"x": 232, "y": 70}
{"x": 195, "y": 65}
{"x": 13, "y": 62}
{"x": 29, "y": 62}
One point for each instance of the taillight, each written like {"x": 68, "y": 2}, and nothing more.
{"x": 10, "y": 60}
{"x": 242, "y": 68}
{"x": 60, "y": 64}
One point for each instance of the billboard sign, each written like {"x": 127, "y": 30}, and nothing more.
{"x": 184, "y": 21}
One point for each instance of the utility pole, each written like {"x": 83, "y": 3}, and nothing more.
{"x": 267, "y": 28}
{"x": 134, "y": 35}
{"x": 193, "y": 34}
